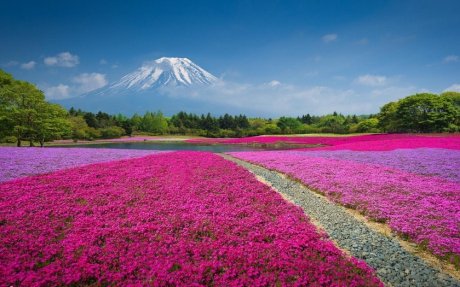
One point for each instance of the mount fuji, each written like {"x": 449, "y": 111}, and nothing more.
{"x": 153, "y": 86}
{"x": 163, "y": 72}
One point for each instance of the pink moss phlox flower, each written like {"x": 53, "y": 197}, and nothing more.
{"x": 443, "y": 163}
{"x": 20, "y": 162}
{"x": 172, "y": 219}
{"x": 425, "y": 208}
{"x": 363, "y": 142}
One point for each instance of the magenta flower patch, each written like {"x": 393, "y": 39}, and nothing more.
{"x": 364, "y": 143}
{"x": 172, "y": 219}
{"x": 443, "y": 163}
{"x": 425, "y": 208}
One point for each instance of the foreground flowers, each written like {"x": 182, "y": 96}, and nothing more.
{"x": 182, "y": 218}
{"x": 417, "y": 192}
{"x": 20, "y": 162}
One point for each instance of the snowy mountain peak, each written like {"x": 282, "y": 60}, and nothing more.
{"x": 173, "y": 60}
{"x": 164, "y": 72}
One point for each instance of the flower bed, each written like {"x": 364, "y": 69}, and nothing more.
{"x": 20, "y": 162}
{"x": 442, "y": 163}
{"x": 365, "y": 142}
{"x": 173, "y": 219}
{"x": 426, "y": 209}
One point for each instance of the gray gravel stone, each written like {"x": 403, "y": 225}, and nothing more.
{"x": 393, "y": 264}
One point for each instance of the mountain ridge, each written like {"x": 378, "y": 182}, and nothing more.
{"x": 159, "y": 73}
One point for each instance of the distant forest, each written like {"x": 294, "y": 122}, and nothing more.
{"x": 25, "y": 115}
{"x": 184, "y": 123}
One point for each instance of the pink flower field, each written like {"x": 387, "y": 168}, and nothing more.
{"x": 20, "y": 162}
{"x": 170, "y": 219}
{"x": 416, "y": 191}
{"x": 363, "y": 143}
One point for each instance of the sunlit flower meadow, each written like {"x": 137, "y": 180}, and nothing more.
{"x": 171, "y": 219}
{"x": 416, "y": 191}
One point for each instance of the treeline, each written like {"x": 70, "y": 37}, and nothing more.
{"x": 420, "y": 113}
{"x": 25, "y": 115}
{"x": 88, "y": 125}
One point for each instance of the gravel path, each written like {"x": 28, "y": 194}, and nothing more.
{"x": 394, "y": 265}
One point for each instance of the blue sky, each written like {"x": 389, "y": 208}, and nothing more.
{"x": 350, "y": 56}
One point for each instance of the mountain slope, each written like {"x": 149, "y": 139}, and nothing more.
{"x": 165, "y": 84}
{"x": 163, "y": 72}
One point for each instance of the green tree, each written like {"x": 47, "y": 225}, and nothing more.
{"x": 79, "y": 128}
{"x": 154, "y": 123}
{"x": 426, "y": 113}
{"x": 333, "y": 124}
{"x": 26, "y": 114}
{"x": 209, "y": 124}
{"x": 53, "y": 124}
{"x": 288, "y": 125}
{"x": 136, "y": 121}
{"x": 452, "y": 96}
{"x": 387, "y": 117}
{"x": 366, "y": 126}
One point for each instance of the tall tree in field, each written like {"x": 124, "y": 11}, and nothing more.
{"x": 6, "y": 98}
{"x": 387, "y": 117}
{"x": 452, "y": 96}
{"x": 420, "y": 113}
{"x": 26, "y": 114}
{"x": 426, "y": 113}
{"x": 52, "y": 124}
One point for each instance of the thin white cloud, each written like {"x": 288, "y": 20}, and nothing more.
{"x": 274, "y": 83}
{"x": 82, "y": 83}
{"x": 29, "y": 65}
{"x": 58, "y": 92}
{"x": 392, "y": 93}
{"x": 451, "y": 59}
{"x": 453, "y": 88}
{"x": 103, "y": 62}
{"x": 64, "y": 59}
{"x": 89, "y": 81}
{"x": 371, "y": 80}
{"x": 293, "y": 100}
{"x": 329, "y": 38}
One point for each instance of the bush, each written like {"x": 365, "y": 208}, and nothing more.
{"x": 271, "y": 129}
{"x": 9, "y": 139}
{"x": 308, "y": 129}
{"x": 366, "y": 126}
{"x": 452, "y": 128}
{"x": 93, "y": 133}
{"x": 112, "y": 132}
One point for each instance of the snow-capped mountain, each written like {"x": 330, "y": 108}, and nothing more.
{"x": 163, "y": 72}
{"x": 166, "y": 84}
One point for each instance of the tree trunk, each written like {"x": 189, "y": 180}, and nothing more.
{"x": 31, "y": 143}
{"x": 42, "y": 142}
{"x": 19, "y": 142}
